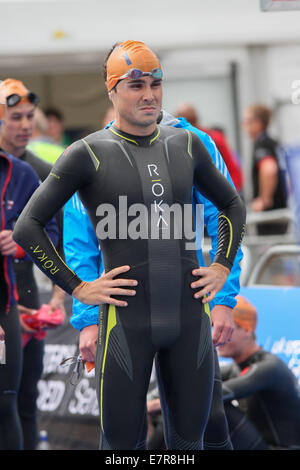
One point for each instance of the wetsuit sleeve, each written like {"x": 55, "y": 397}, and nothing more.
{"x": 42, "y": 169}
{"x": 79, "y": 237}
{"x": 226, "y": 296}
{"x": 30, "y": 184}
{"x": 72, "y": 171}
{"x": 228, "y": 370}
{"x": 255, "y": 378}
{"x": 232, "y": 214}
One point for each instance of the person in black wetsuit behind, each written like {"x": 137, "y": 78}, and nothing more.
{"x": 267, "y": 391}
{"x": 148, "y": 270}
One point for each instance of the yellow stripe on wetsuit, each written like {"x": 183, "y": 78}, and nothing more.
{"x": 230, "y": 236}
{"x": 155, "y": 137}
{"x": 207, "y": 308}
{"x": 123, "y": 137}
{"x": 111, "y": 323}
{"x": 92, "y": 154}
{"x": 134, "y": 141}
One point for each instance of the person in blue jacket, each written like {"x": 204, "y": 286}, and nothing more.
{"x": 18, "y": 182}
{"x": 83, "y": 255}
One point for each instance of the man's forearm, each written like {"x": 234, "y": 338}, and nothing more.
{"x": 58, "y": 293}
{"x": 268, "y": 179}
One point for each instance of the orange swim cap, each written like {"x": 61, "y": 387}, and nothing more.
{"x": 126, "y": 56}
{"x": 9, "y": 87}
{"x": 245, "y": 314}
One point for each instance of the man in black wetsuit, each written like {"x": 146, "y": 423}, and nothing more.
{"x": 268, "y": 395}
{"x": 150, "y": 169}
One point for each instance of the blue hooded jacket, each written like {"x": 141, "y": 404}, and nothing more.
{"x": 18, "y": 181}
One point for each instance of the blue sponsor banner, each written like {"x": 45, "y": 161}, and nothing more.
{"x": 278, "y": 328}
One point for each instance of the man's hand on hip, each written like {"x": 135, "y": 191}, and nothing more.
{"x": 100, "y": 291}
{"x": 212, "y": 279}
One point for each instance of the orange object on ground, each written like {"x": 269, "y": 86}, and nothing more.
{"x": 89, "y": 366}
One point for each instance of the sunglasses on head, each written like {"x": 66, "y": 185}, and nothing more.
{"x": 135, "y": 74}
{"x": 14, "y": 99}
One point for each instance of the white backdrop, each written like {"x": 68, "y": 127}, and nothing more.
{"x": 59, "y": 26}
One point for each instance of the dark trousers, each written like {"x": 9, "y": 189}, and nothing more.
{"x": 11, "y": 437}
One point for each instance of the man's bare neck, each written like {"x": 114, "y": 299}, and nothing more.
{"x": 136, "y": 130}
{"x": 247, "y": 352}
{"x": 11, "y": 149}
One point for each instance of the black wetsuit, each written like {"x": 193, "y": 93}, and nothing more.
{"x": 163, "y": 317}
{"x": 269, "y": 397}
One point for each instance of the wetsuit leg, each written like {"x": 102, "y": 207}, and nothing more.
{"x": 216, "y": 435}
{"x": 33, "y": 354}
{"x": 185, "y": 378}
{"x": 124, "y": 363}
{"x": 243, "y": 434}
{"x": 10, "y": 376}
{"x": 156, "y": 438}
{"x": 28, "y": 394}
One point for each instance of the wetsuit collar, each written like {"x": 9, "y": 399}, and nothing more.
{"x": 140, "y": 141}
{"x": 251, "y": 359}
